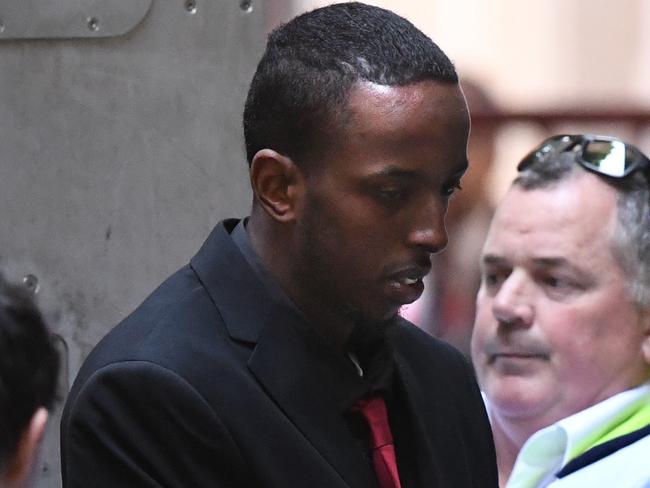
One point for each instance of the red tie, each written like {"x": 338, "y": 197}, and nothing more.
{"x": 383, "y": 450}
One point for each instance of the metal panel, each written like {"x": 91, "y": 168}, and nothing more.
{"x": 52, "y": 19}
{"x": 117, "y": 157}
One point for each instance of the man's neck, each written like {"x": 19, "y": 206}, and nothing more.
{"x": 508, "y": 441}
{"x": 332, "y": 325}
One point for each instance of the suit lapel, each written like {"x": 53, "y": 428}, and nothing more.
{"x": 293, "y": 369}
{"x": 427, "y": 448}
{"x": 231, "y": 283}
{"x": 297, "y": 375}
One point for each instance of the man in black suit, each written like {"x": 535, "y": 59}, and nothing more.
{"x": 254, "y": 365}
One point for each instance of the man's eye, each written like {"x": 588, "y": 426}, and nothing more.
{"x": 561, "y": 288}
{"x": 555, "y": 282}
{"x": 391, "y": 194}
{"x": 491, "y": 279}
{"x": 451, "y": 189}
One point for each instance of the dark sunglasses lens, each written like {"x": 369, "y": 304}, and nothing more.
{"x": 611, "y": 158}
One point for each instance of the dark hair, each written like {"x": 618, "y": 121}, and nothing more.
{"x": 29, "y": 365}
{"x": 310, "y": 64}
{"x": 631, "y": 240}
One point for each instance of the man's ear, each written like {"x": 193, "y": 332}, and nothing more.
{"x": 278, "y": 184}
{"x": 19, "y": 466}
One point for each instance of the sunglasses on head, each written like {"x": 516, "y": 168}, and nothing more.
{"x": 606, "y": 156}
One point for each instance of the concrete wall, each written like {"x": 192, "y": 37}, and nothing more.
{"x": 120, "y": 147}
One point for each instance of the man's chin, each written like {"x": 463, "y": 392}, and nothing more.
{"x": 369, "y": 335}
{"x": 376, "y": 317}
{"x": 377, "y": 324}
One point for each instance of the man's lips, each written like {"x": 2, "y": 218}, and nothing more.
{"x": 516, "y": 355}
{"x": 411, "y": 270}
{"x": 410, "y": 275}
{"x": 405, "y": 285}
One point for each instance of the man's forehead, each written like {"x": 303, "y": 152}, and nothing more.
{"x": 582, "y": 200}
{"x": 551, "y": 224}
{"x": 550, "y": 262}
{"x": 388, "y": 99}
{"x": 404, "y": 115}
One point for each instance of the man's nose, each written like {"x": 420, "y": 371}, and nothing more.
{"x": 428, "y": 231}
{"x": 512, "y": 304}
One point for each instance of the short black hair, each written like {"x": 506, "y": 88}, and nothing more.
{"x": 310, "y": 64}
{"x": 29, "y": 365}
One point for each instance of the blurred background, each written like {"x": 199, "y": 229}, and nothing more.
{"x": 120, "y": 129}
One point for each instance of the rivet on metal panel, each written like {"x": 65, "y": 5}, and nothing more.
{"x": 246, "y": 5}
{"x": 190, "y": 6}
{"x": 31, "y": 283}
{"x": 93, "y": 24}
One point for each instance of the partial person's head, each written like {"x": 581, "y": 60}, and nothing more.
{"x": 29, "y": 366}
{"x": 356, "y": 133}
{"x": 563, "y": 313}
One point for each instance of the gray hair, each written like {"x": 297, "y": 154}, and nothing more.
{"x": 631, "y": 239}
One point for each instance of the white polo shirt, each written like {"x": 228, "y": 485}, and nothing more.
{"x": 547, "y": 451}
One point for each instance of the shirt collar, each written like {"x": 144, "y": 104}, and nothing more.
{"x": 586, "y": 426}
{"x": 546, "y": 451}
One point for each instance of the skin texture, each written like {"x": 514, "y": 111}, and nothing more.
{"x": 345, "y": 237}
{"x": 556, "y": 329}
{"x": 20, "y": 469}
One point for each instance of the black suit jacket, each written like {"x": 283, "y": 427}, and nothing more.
{"x": 207, "y": 384}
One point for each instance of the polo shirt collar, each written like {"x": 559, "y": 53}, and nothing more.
{"x": 546, "y": 451}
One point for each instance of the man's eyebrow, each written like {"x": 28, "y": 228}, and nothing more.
{"x": 541, "y": 262}
{"x": 560, "y": 262}
{"x": 461, "y": 171}
{"x": 549, "y": 262}
{"x": 552, "y": 262}
{"x": 494, "y": 260}
{"x": 401, "y": 173}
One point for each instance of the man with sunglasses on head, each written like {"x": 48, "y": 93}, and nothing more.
{"x": 561, "y": 342}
